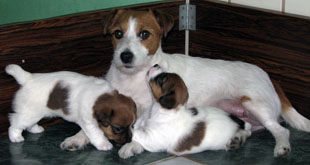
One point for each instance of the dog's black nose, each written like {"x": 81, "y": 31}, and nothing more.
{"x": 126, "y": 57}
{"x": 156, "y": 65}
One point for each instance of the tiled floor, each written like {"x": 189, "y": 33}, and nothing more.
{"x": 44, "y": 149}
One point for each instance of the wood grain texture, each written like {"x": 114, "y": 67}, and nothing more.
{"x": 277, "y": 43}
{"x": 73, "y": 43}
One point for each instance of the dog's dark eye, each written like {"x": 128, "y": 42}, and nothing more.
{"x": 118, "y": 34}
{"x": 144, "y": 34}
{"x": 119, "y": 129}
{"x": 161, "y": 79}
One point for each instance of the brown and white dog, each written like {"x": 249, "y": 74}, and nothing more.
{"x": 101, "y": 112}
{"x": 179, "y": 130}
{"x": 136, "y": 38}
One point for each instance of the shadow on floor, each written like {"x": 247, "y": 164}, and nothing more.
{"x": 44, "y": 149}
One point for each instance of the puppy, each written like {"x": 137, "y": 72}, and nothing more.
{"x": 100, "y": 111}
{"x": 179, "y": 130}
{"x": 232, "y": 86}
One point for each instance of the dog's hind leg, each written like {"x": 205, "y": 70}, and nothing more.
{"x": 20, "y": 122}
{"x": 35, "y": 129}
{"x": 269, "y": 119}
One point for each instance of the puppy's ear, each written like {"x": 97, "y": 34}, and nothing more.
{"x": 103, "y": 110}
{"x": 168, "y": 100}
{"x": 165, "y": 21}
{"x": 108, "y": 19}
{"x": 182, "y": 95}
{"x": 104, "y": 117}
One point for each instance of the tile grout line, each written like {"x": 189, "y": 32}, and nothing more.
{"x": 194, "y": 160}
{"x": 283, "y": 6}
{"x": 162, "y": 160}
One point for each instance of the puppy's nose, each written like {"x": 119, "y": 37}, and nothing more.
{"x": 156, "y": 66}
{"x": 126, "y": 57}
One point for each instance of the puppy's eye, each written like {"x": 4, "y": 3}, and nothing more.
{"x": 161, "y": 79}
{"x": 144, "y": 34}
{"x": 118, "y": 34}
{"x": 119, "y": 129}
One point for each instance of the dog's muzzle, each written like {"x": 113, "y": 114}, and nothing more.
{"x": 126, "y": 57}
{"x": 153, "y": 72}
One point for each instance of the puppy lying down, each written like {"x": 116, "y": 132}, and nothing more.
{"x": 179, "y": 130}
{"x": 101, "y": 112}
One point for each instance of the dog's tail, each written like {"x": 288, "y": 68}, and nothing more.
{"x": 20, "y": 75}
{"x": 290, "y": 114}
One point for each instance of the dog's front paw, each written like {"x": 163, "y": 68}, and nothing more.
{"x": 282, "y": 150}
{"x": 105, "y": 146}
{"x": 74, "y": 143}
{"x": 130, "y": 149}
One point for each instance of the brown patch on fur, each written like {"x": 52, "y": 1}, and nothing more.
{"x": 115, "y": 114}
{"x": 285, "y": 103}
{"x": 244, "y": 99}
{"x": 165, "y": 21}
{"x": 156, "y": 23}
{"x": 193, "y": 139}
{"x": 58, "y": 98}
{"x": 169, "y": 90}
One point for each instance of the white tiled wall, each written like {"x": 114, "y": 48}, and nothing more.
{"x": 301, "y": 7}
{"x": 265, "y": 4}
{"x": 298, "y": 7}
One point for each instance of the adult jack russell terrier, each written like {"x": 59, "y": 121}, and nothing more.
{"x": 179, "y": 130}
{"x": 101, "y": 112}
{"x": 136, "y": 38}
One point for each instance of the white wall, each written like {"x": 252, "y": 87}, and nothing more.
{"x": 297, "y": 7}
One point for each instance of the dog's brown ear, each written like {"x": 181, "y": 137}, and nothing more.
{"x": 165, "y": 21}
{"x": 102, "y": 110}
{"x": 182, "y": 95}
{"x": 104, "y": 117}
{"x": 107, "y": 21}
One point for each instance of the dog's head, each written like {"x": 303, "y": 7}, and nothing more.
{"x": 136, "y": 36}
{"x": 168, "y": 89}
{"x": 115, "y": 114}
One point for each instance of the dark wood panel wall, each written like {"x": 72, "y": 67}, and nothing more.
{"x": 279, "y": 44}
{"x": 74, "y": 43}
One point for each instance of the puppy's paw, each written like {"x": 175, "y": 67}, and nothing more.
{"x": 16, "y": 139}
{"x": 234, "y": 143}
{"x": 105, "y": 146}
{"x": 15, "y": 135}
{"x": 130, "y": 149}
{"x": 36, "y": 129}
{"x": 238, "y": 139}
{"x": 282, "y": 150}
{"x": 74, "y": 143}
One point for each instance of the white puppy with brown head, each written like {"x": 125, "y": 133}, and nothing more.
{"x": 136, "y": 38}
{"x": 176, "y": 129}
{"x": 101, "y": 112}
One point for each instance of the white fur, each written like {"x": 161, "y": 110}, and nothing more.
{"x": 30, "y": 103}
{"x": 165, "y": 130}
{"x": 207, "y": 80}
